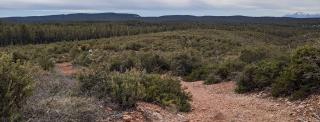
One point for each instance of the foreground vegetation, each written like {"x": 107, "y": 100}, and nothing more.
{"x": 125, "y": 70}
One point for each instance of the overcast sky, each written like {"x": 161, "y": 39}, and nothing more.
{"x": 159, "y": 7}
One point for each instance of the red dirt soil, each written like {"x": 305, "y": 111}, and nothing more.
{"x": 66, "y": 69}
{"x": 219, "y": 103}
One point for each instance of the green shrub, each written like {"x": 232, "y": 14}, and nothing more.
{"x": 74, "y": 52}
{"x": 166, "y": 90}
{"x": 122, "y": 65}
{"x": 19, "y": 56}
{"x": 234, "y": 65}
{"x": 94, "y": 83}
{"x": 83, "y": 59}
{"x": 129, "y": 87}
{"x": 212, "y": 79}
{"x": 301, "y": 77}
{"x": 252, "y": 55}
{"x": 154, "y": 63}
{"x": 259, "y": 76}
{"x": 15, "y": 87}
{"x": 46, "y": 62}
{"x": 183, "y": 64}
{"x": 133, "y": 46}
{"x": 198, "y": 74}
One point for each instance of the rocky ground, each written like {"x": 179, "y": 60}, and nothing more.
{"x": 219, "y": 103}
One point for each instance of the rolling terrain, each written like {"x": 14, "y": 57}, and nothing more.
{"x": 247, "y": 72}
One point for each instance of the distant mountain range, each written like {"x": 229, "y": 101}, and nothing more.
{"x": 303, "y": 15}
{"x": 83, "y": 17}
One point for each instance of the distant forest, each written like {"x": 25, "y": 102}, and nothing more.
{"x": 20, "y": 34}
{"x": 56, "y": 28}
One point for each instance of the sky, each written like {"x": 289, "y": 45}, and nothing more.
{"x": 9, "y": 8}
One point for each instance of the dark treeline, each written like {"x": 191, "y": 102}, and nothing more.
{"x": 20, "y": 34}
{"x": 42, "y": 33}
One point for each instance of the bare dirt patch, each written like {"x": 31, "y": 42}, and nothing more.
{"x": 66, "y": 69}
{"x": 219, "y": 103}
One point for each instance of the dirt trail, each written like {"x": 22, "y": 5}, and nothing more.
{"x": 210, "y": 103}
{"x": 219, "y": 103}
{"x": 66, "y": 69}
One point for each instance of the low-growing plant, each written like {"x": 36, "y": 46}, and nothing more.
{"x": 259, "y": 76}
{"x": 46, "y": 62}
{"x": 166, "y": 90}
{"x": 183, "y": 64}
{"x": 15, "y": 86}
{"x": 19, "y": 56}
{"x": 122, "y": 65}
{"x": 200, "y": 73}
{"x": 133, "y": 46}
{"x": 129, "y": 87}
{"x": 301, "y": 77}
{"x": 83, "y": 59}
{"x": 252, "y": 55}
{"x": 212, "y": 79}
{"x": 154, "y": 63}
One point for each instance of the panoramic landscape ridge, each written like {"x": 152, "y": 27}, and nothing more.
{"x": 122, "y": 67}
{"x": 127, "y": 17}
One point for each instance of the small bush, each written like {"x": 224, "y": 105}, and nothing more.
{"x": 166, "y": 90}
{"x": 301, "y": 77}
{"x": 129, "y": 87}
{"x": 212, "y": 79}
{"x": 94, "y": 83}
{"x": 257, "y": 77}
{"x": 18, "y": 56}
{"x": 253, "y": 55}
{"x": 133, "y": 46}
{"x": 154, "y": 63}
{"x": 74, "y": 52}
{"x": 83, "y": 59}
{"x": 46, "y": 62}
{"x": 183, "y": 64}
{"x": 15, "y": 87}
{"x": 122, "y": 65}
{"x": 198, "y": 74}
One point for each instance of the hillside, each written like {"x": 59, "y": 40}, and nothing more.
{"x": 84, "y": 17}
{"x": 303, "y": 15}
{"x": 249, "y": 73}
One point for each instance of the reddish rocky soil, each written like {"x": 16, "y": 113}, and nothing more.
{"x": 219, "y": 103}
{"x": 66, "y": 69}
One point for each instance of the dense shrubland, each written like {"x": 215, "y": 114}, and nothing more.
{"x": 16, "y": 85}
{"x": 297, "y": 77}
{"x": 129, "y": 87}
{"x": 128, "y": 69}
{"x": 43, "y": 33}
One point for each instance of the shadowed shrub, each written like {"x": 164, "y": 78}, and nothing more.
{"x": 259, "y": 76}
{"x": 154, "y": 63}
{"x": 252, "y": 55}
{"x": 301, "y": 77}
{"x": 183, "y": 64}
